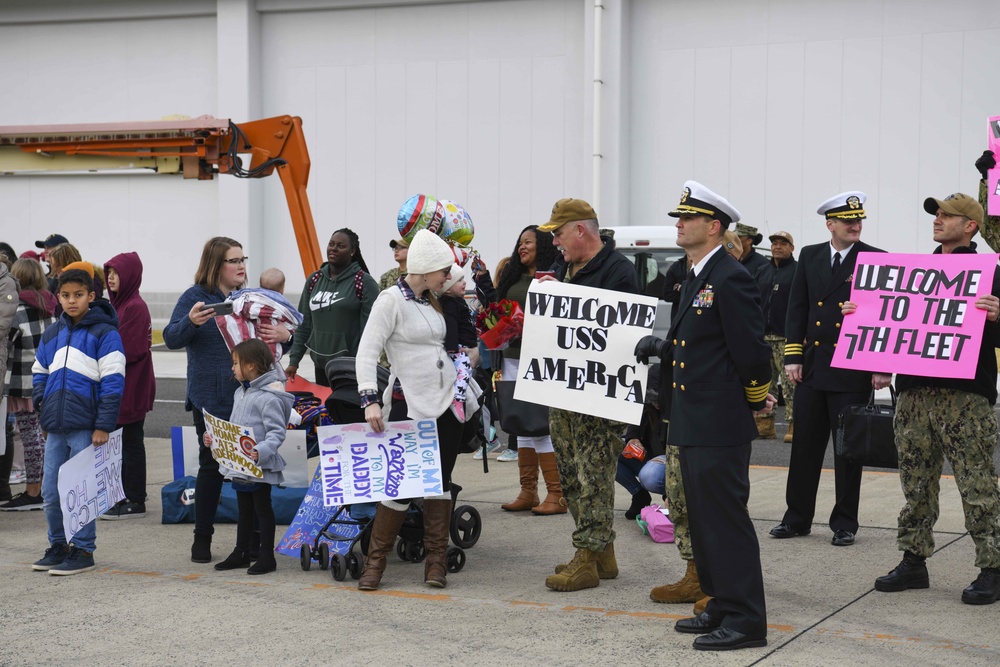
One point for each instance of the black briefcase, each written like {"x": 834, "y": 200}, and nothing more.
{"x": 865, "y": 435}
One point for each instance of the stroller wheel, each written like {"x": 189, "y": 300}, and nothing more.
{"x": 354, "y": 565}
{"x": 401, "y": 548}
{"x": 415, "y": 552}
{"x": 338, "y": 567}
{"x": 466, "y": 526}
{"x": 324, "y": 555}
{"x": 305, "y": 557}
{"x": 456, "y": 559}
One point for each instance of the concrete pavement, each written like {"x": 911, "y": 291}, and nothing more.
{"x": 148, "y": 604}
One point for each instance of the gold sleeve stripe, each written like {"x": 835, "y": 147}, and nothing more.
{"x": 793, "y": 348}
{"x": 757, "y": 394}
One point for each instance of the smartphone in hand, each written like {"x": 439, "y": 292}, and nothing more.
{"x": 224, "y": 308}
{"x": 539, "y": 274}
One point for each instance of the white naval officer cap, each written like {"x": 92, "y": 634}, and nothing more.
{"x": 696, "y": 199}
{"x": 845, "y": 206}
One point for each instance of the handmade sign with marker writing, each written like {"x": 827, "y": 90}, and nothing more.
{"x": 361, "y": 466}
{"x": 90, "y": 484}
{"x": 577, "y": 350}
{"x": 916, "y": 314}
{"x": 313, "y": 514}
{"x": 232, "y": 445}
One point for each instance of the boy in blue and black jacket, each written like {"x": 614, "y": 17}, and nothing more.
{"x": 77, "y": 383}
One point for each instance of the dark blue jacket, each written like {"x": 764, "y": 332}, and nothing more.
{"x": 209, "y": 364}
{"x": 79, "y": 372}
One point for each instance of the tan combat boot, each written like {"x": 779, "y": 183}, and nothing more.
{"x": 700, "y": 605}
{"x": 607, "y": 564}
{"x": 765, "y": 427}
{"x": 579, "y": 573}
{"x": 686, "y": 590}
{"x": 527, "y": 463}
{"x": 788, "y": 436}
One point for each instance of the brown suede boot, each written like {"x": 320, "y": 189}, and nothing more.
{"x": 579, "y": 573}
{"x": 686, "y": 590}
{"x": 790, "y": 434}
{"x": 700, "y": 605}
{"x": 437, "y": 521}
{"x": 765, "y": 427}
{"x": 554, "y": 502}
{"x": 527, "y": 463}
{"x": 385, "y": 527}
{"x": 607, "y": 564}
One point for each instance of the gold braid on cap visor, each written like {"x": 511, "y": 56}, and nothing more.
{"x": 684, "y": 209}
{"x": 853, "y": 214}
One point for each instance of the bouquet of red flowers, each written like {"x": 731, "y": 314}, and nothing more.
{"x": 499, "y": 324}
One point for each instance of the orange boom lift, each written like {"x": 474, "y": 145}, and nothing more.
{"x": 194, "y": 148}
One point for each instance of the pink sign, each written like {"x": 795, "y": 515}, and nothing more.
{"x": 916, "y": 314}
{"x": 993, "y": 175}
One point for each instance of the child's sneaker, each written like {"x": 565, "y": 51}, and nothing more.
{"x": 77, "y": 561}
{"x": 22, "y": 502}
{"x": 494, "y": 446}
{"x": 54, "y": 555}
{"x": 507, "y": 455}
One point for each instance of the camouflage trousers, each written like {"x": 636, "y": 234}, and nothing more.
{"x": 934, "y": 423}
{"x": 587, "y": 450}
{"x": 779, "y": 376}
{"x": 677, "y": 503}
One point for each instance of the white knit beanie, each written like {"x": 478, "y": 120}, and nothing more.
{"x": 428, "y": 253}
{"x": 457, "y": 273}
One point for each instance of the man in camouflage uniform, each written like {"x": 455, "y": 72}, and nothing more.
{"x": 953, "y": 418}
{"x": 400, "y": 248}
{"x": 587, "y": 447}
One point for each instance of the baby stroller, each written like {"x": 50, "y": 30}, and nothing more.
{"x": 344, "y": 407}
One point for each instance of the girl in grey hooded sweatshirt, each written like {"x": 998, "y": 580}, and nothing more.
{"x": 261, "y": 405}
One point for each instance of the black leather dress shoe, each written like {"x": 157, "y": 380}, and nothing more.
{"x": 842, "y": 538}
{"x": 727, "y": 639}
{"x": 783, "y": 530}
{"x": 700, "y": 624}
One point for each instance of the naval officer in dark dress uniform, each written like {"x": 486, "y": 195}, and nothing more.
{"x": 821, "y": 285}
{"x": 717, "y": 366}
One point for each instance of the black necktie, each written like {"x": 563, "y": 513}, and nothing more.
{"x": 836, "y": 261}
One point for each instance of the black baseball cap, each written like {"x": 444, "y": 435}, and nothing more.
{"x": 51, "y": 241}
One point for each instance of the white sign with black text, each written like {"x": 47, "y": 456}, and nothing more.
{"x": 577, "y": 350}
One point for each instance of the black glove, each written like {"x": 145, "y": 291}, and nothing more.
{"x": 986, "y": 162}
{"x": 648, "y": 346}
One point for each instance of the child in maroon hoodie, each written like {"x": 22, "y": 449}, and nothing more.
{"x": 124, "y": 275}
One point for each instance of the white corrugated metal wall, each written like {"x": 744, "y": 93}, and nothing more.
{"x": 776, "y": 104}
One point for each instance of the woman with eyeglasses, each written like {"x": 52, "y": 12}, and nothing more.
{"x": 210, "y": 382}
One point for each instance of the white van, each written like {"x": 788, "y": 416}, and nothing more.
{"x": 652, "y": 248}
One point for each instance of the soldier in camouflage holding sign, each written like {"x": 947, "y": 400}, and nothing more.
{"x": 587, "y": 447}
{"x": 953, "y": 418}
